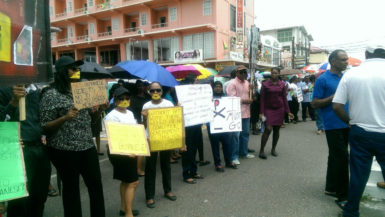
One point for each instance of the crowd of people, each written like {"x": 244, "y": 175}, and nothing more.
{"x": 273, "y": 102}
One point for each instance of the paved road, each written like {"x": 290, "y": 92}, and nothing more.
{"x": 290, "y": 185}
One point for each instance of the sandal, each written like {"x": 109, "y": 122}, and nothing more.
{"x": 341, "y": 204}
{"x": 198, "y": 176}
{"x": 204, "y": 163}
{"x": 190, "y": 181}
{"x": 52, "y": 193}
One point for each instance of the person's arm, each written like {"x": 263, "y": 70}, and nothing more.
{"x": 10, "y": 98}
{"x": 319, "y": 99}
{"x": 284, "y": 98}
{"x": 262, "y": 102}
{"x": 339, "y": 109}
{"x": 53, "y": 126}
{"x": 321, "y": 103}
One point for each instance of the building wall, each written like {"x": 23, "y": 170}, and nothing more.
{"x": 316, "y": 58}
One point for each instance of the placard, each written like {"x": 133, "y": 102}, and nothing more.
{"x": 127, "y": 139}
{"x": 25, "y": 45}
{"x": 165, "y": 128}
{"x": 89, "y": 93}
{"x": 227, "y": 115}
{"x": 12, "y": 170}
{"x": 299, "y": 95}
{"x": 197, "y": 103}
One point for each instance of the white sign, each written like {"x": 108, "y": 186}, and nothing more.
{"x": 227, "y": 115}
{"x": 188, "y": 56}
{"x": 197, "y": 103}
{"x": 236, "y": 56}
{"x": 299, "y": 95}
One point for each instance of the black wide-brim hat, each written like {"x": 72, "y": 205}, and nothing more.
{"x": 66, "y": 61}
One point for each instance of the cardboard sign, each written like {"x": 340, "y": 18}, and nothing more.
{"x": 227, "y": 115}
{"x": 127, "y": 139}
{"x": 299, "y": 95}
{"x": 25, "y": 45}
{"x": 197, "y": 103}
{"x": 12, "y": 170}
{"x": 165, "y": 128}
{"x": 89, "y": 93}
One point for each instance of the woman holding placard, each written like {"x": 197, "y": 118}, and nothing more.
{"x": 125, "y": 167}
{"x": 69, "y": 140}
{"x": 155, "y": 91}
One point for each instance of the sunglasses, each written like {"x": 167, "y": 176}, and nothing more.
{"x": 123, "y": 98}
{"x": 155, "y": 90}
{"x": 244, "y": 71}
{"x": 75, "y": 68}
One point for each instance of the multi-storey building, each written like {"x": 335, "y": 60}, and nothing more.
{"x": 109, "y": 31}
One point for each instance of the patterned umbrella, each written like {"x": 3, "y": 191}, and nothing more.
{"x": 205, "y": 73}
{"x": 181, "y": 71}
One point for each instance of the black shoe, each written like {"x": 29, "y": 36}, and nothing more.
{"x": 122, "y": 213}
{"x": 204, "y": 163}
{"x": 232, "y": 166}
{"x": 219, "y": 169}
{"x": 262, "y": 156}
{"x": 151, "y": 205}
{"x": 251, "y": 150}
{"x": 135, "y": 212}
{"x": 172, "y": 197}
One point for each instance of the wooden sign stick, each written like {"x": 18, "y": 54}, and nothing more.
{"x": 22, "y": 113}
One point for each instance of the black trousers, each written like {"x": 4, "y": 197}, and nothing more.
{"x": 189, "y": 164}
{"x": 199, "y": 143}
{"x": 254, "y": 111}
{"x": 305, "y": 106}
{"x": 38, "y": 169}
{"x": 294, "y": 107}
{"x": 149, "y": 179}
{"x": 70, "y": 165}
{"x": 337, "y": 175}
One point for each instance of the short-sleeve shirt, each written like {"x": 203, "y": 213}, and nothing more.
{"x": 306, "y": 86}
{"x": 164, "y": 104}
{"x": 364, "y": 88}
{"x": 242, "y": 90}
{"x": 117, "y": 116}
{"x": 325, "y": 86}
{"x": 74, "y": 134}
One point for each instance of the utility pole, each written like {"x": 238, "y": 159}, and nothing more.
{"x": 293, "y": 53}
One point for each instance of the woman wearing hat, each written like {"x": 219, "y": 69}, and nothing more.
{"x": 125, "y": 167}
{"x": 69, "y": 140}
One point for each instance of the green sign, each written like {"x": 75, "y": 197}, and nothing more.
{"x": 12, "y": 175}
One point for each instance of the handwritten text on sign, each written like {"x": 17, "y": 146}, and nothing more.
{"x": 12, "y": 173}
{"x": 89, "y": 93}
{"x": 227, "y": 115}
{"x": 197, "y": 103}
{"x": 165, "y": 128}
{"x": 127, "y": 139}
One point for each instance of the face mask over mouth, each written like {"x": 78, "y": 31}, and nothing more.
{"x": 124, "y": 104}
{"x": 155, "y": 96}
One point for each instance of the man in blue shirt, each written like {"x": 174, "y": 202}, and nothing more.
{"x": 337, "y": 177}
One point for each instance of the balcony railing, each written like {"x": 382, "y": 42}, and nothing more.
{"x": 61, "y": 15}
{"x": 83, "y": 38}
{"x": 132, "y": 29}
{"x": 62, "y": 40}
{"x": 159, "y": 25}
{"x": 104, "y": 34}
{"x": 103, "y": 6}
{"x": 81, "y": 11}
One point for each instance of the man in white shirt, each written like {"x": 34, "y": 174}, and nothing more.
{"x": 364, "y": 88}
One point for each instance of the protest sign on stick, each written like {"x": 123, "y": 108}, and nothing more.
{"x": 127, "y": 139}
{"x": 89, "y": 93}
{"x": 165, "y": 128}
{"x": 12, "y": 170}
{"x": 227, "y": 115}
{"x": 197, "y": 103}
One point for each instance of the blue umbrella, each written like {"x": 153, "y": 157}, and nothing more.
{"x": 147, "y": 70}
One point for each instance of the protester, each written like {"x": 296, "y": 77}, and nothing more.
{"x": 363, "y": 87}
{"x": 125, "y": 167}
{"x": 194, "y": 139}
{"x": 254, "y": 107}
{"x": 307, "y": 91}
{"x": 240, "y": 87}
{"x": 224, "y": 138}
{"x": 233, "y": 75}
{"x": 317, "y": 112}
{"x": 69, "y": 140}
{"x": 273, "y": 107}
{"x": 155, "y": 91}
{"x": 36, "y": 160}
{"x": 292, "y": 98}
{"x": 337, "y": 175}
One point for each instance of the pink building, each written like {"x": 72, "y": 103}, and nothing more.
{"x": 110, "y": 31}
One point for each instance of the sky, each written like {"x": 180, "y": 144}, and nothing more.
{"x": 346, "y": 24}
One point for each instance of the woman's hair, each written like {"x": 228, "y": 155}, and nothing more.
{"x": 61, "y": 80}
{"x": 190, "y": 79}
{"x": 292, "y": 79}
{"x": 277, "y": 69}
{"x": 155, "y": 82}
{"x": 217, "y": 83}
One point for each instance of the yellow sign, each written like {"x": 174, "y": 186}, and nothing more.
{"x": 89, "y": 93}
{"x": 127, "y": 139}
{"x": 5, "y": 38}
{"x": 220, "y": 66}
{"x": 165, "y": 128}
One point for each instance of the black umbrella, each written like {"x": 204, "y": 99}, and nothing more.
{"x": 91, "y": 70}
{"x": 227, "y": 71}
{"x": 119, "y": 72}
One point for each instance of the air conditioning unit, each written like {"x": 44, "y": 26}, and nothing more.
{"x": 141, "y": 31}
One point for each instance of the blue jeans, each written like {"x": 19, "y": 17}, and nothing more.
{"x": 318, "y": 120}
{"x": 240, "y": 140}
{"x": 363, "y": 146}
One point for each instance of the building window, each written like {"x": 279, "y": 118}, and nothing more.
{"x": 109, "y": 57}
{"x": 50, "y": 11}
{"x": 70, "y": 32}
{"x": 69, "y": 6}
{"x": 90, "y": 56}
{"x": 233, "y": 18}
{"x": 165, "y": 48}
{"x": 52, "y": 36}
{"x": 90, "y": 3}
{"x": 91, "y": 28}
{"x": 143, "y": 19}
{"x": 137, "y": 50}
{"x": 203, "y": 41}
{"x": 115, "y": 24}
{"x": 207, "y": 8}
{"x": 285, "y": 35}
{"x": 173, "y": 14}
